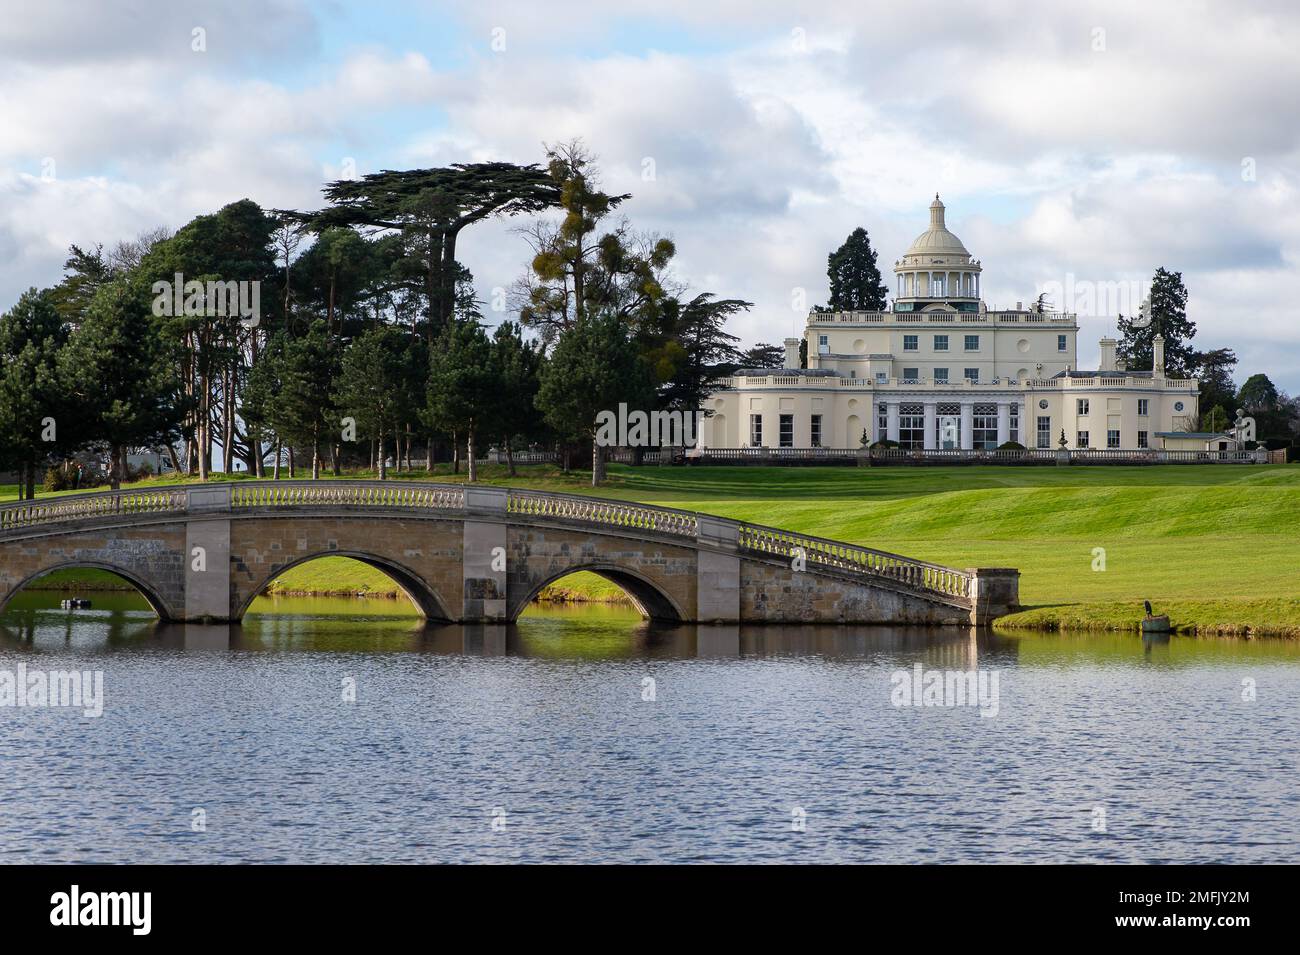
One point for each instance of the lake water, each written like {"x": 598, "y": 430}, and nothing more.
{"x": 585, "y": 735}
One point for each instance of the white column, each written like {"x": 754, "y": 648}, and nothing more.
{"x": 1004, "y": 423}
{"x": 967, "y": 425}
{"x": 891, "y": 421}
{"x": 930, "y": 426}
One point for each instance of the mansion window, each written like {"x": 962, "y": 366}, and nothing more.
{"x": 1142, "y": 439}
{"x": 911, "y": 426}
{"x": 1082, "y": 405}
{"x": 1144, "y": 405}
{"x": 948, "y": 421}
{"x": 882, "y": 422}
{"x": 911, "y": 376}
{"x": 1081, "y": 439}
{"x": 972, "y": 373}
{"x": 1112, "y": 438}
{"x": 986, "y": 427}
{"x": 911, "y": 342}
{"x": 940, "y": 342}
{"x": 1044, "y": 431}
{"x": 1061, "y": 343}
{"x": 972, "y": 343}
{"x": 823, "y": 344}
{"x": 882, "y": 377}
{"x": 787, "y": 431}
{"x": 756, "y": 430}
{"x": 816, "y": 431}
{"x": 941, "y": 376}
{"x": 1015, "y": 424}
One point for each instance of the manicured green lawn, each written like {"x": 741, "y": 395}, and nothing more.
{"x": 1216, "y": 546}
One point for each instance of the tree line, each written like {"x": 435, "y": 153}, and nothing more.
{"x": 369, "y": 344}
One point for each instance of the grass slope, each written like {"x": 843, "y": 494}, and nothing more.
{"x": 1215, "y": 546}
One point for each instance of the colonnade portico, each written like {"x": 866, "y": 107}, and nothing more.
{"x": 938, "y": 283}
{"x": 958, "y": 410}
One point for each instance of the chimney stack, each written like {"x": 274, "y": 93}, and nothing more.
{"x": 792, "y": 353}
{"x": 1158, "y": 356}
{"x": 1108, "y": 354}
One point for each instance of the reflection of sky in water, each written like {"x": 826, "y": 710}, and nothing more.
{"x": 548, "y": 720}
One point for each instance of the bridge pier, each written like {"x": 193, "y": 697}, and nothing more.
{"x": 483, "y": 560}
{"x": 207, "y": 554}
{"x": 717, "y": 573}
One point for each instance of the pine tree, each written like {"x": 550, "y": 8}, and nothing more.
{"x": 32, "y": 422}
{"x": 371, "y": 387}
{"x": 1168, "y": 317}
{"x": 594, "y": 368}
{"x": 518, "y": 369}
{"x": 118, "y": 371}
{"x": 855, "y": 277}
{"x": 463, "y": 385}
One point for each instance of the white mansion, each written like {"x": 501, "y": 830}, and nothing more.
{"x": 941, "y": 371}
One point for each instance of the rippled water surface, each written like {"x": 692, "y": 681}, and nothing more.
{"x": 751, "y": 736}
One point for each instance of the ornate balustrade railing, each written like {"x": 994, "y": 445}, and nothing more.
{"x": 918, "y": 574}
{"x": 76, "y": 507}
{"x": 610, "y": 513}
{"x": 397, "y": 494}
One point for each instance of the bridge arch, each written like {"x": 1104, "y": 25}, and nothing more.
{"x": 650, "y": 599}
{"x": 147, "y": 591}
{"x": 416, "y": 589}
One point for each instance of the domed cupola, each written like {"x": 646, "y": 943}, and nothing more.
{"x": 936, "y": 272}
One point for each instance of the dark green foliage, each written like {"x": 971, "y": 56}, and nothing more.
{"x": 464, "y": 386}
{"x": 428, "y": 208}
{"x": 855, "y": 276}
{"x": 35, "y": 420}
{"x": 763, "y": 355}
{"x": 118, "y": 373}
{"x": 1168, "y": 318}
{"x": 1214, "y": 369}
{"x": 595, "y": 366}
{"x": 372, "y": 387}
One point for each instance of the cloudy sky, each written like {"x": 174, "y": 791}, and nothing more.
{"x": 1082, "y": 146}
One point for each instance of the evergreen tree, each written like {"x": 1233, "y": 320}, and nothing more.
{"x": 289, "y": 390}
{"x": 855, "y": 276}
{"x": 33, "y": 419}
{"x": 688, "y": 351}
{"x": 762, "y": 355}
{"x": 1167, "y": 317}
{"x": 518, "y": 369}
{"x": 428, "y": 209}
{"x": 118, "y": 372}
{"x": 1214, "y": 369}
{"x": 595, "y": 366}
{"x": 464, "y": 386}
{"x": 371, "y": 388}
{"x": 577, "y": 271}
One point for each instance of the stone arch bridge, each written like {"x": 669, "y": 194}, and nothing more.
{"x": 478, "y": 553}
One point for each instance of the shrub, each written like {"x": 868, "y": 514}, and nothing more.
{"x": 1011, "y": 446}
{"x": 56, "y": 479}
{"x": 885, "y": 443}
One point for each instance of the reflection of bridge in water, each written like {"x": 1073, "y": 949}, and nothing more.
{"x": 479, "y": 554}
{"x": 948, "y": 648}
